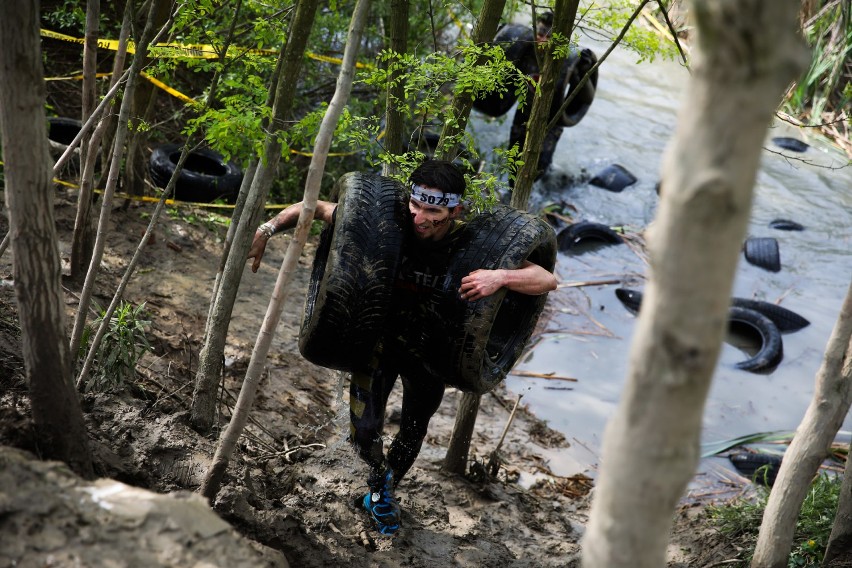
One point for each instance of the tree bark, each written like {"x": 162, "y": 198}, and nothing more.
{"x": 398, "y": 24}
{"x": 57, "y": 414}
{"x": 112, "y": 182}
{"x": 564, "y": 14}
{"x": 747, "y": 54}
{"x": 82, "y": 239}
{"x": 459, "y": 447}
{"x": 823, "y": 418}
{"x": 838, "y": 553}
{"x": 213, "y": 478}
{"x": 486, "y": 28}
{"x": 203, "y": 408}
{"x": 456, "y": 120}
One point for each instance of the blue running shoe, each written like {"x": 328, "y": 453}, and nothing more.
{"x": 382, "y": 506}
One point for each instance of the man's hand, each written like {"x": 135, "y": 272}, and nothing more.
{"x": 481, "y": 283}
{"x": 258, "y": 247}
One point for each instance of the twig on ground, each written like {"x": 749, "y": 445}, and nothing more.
{"x": 549, "y": 376}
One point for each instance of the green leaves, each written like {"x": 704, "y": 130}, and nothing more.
{"x": 121, "y": 347}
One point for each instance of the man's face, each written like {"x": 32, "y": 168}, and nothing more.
{"x": 430, "y": 222}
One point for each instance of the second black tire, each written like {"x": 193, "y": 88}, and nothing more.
{"x": 480, "y": 341}
{"x": 353, "y": 273}
{"x": 206, "y": 176}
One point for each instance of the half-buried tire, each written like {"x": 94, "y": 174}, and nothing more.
{"x": 771, "y": 348}
{"x": 353, "y": 273}
{"x": 477, "y": 343}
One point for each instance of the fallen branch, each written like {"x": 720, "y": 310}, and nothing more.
{"x": 549, "y": 376}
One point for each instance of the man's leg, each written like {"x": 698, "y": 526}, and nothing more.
{"x": 368, "y": 396}
{"x": 421, "y": 398}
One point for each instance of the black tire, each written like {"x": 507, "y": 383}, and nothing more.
{"x": 518, "y": 44}
{"x": 63, "y": 130}
{"x": 574, "y": 69}
{"x": 613, "y": 178}
{"x": 792, "y": 144}
{"x": 760, "y": 468}
{"x": 353, "y": 273}
{"x": 771, "y": 348}
{"x": 746, "y": 321}
{"x": 785, "y": 320}
{"x": 763, "y": 252}
{"x": 205, "y": 176}
{"x": 632, "y": 299}
{"x": 585, "y": 232}
{"x": 473, "y": 345}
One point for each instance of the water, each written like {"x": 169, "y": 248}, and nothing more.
{"x": 630, "y": 123}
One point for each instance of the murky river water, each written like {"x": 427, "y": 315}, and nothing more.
{"x": 629, "y": 123}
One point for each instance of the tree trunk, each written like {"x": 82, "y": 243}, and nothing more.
{"x": 747, "y": 54}
{"x": 456, "y": 459}
{"x": 456, "y": 123}
{"x": 838, "y": 553}
{"x": 564, "y": 14}
{"x": 398, "y": 19}
{"x": 203, "y": 409}
{"x": 823, "y": 418}
{"x": 213, "y": 478}
{"x": 486, "y": 28}
{"x": 57, "y": 415}
{"x": 83, "y": 238}
{"x": 112, "y": 181}
{"x": 142, "y": 97}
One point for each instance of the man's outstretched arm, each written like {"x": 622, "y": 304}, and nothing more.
{"x": 286, "y": 219}
{"x": 529, "y": 279}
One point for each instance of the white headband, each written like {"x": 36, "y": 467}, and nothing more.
{"x": 434, "y": 196}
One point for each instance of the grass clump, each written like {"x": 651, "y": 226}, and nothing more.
{"x": 740, "y": 520}
{"x": 121, "y": 347}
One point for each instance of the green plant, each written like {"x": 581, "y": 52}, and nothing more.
{"x": 120, "y": 349}
{"x": 740, "y": 520}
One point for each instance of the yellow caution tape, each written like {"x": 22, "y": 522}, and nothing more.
{"x": 458, "y": 23}
{"x": 78, "y": 77}
{"x": 173, "y": 92}
{"x": 198, "y": 51}
{"x": 148, "y": 199}
{"x": 337, "y": 60}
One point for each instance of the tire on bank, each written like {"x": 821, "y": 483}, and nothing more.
{"x": 482, "y": 340}
{"x": 206, "y": 175}
{"x": 353, "y": 273}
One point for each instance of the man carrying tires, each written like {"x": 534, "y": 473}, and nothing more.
{"x": 435, "y": 207}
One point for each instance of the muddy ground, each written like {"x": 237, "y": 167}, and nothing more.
{"x": 292, "y": 485}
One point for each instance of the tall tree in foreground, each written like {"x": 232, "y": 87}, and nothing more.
{"x": 57, "y": 415}
{"x": 810, "y": 447}
{"x": 747, "y": 54}
{"x": 213, "y": 478}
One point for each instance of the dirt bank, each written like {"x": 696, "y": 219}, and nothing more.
{"x": 294, "y": 480}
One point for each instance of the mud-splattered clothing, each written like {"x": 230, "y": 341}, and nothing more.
{"x": 403, "y": 352}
